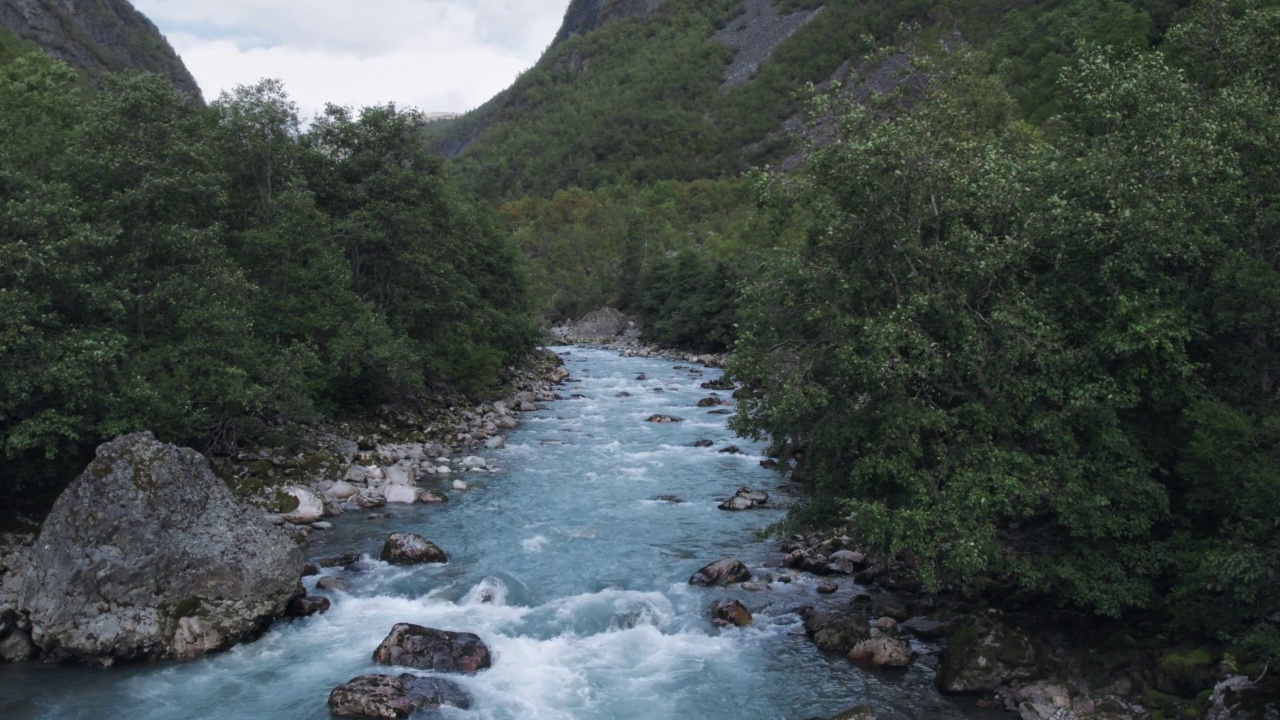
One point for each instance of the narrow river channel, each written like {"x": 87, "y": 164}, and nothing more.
{"x": 568, "y": 566}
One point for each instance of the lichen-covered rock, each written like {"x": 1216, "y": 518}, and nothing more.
{"x": 385, "y": 696}
{"x": 721, "y": 572}
{"x": 730, "y": 612}
{"x": 881, "y": 652}
{"x": 147, "y": 555}
{"x": 835, "y": 631}
{"x": 984, "y": 654}
{"x": 431, "y": 649}
{"x": 411, "y": 549}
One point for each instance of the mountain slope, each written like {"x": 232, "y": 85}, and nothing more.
{"x": 96, "y": 37}
{"x": 635, "y": 91}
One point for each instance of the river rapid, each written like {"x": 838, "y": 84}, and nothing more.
{"x": 570, "y": 569}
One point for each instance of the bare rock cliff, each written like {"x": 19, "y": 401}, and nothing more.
{"x": 97, "y": 37}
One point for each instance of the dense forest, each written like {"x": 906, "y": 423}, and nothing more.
{"x": 208, "y": 272}
{"x": 1044, "y": 355}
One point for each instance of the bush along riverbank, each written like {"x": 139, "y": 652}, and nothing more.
{"x": 151, "y": 554}
{"x": 1007, "y": 650}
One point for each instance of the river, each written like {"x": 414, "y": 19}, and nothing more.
{"x": 571, "y": 570}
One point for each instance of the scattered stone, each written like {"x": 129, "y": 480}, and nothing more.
{"x": 702, "y": 443}
{"x": 835, "y": 631}
{"x": 719, "y": 384}
{"x": 720, "y": 412}
{"x": 746, "y": 499}
{"x": 623, "y": 394}
{"x": 147, "y": 555}
{"x": 309, "y": 508}
{"x": 881, "y": 652}
{"x": 431, "y": 649}
{"x": 730, "y": 612}
{"x": 402, "y": 494}
{"x": 342, "y": 560}
{"x": 827, "y": 587}
{"x": 664, "y": 419}
{"x": 673, "y": 499}
{"x": 390, "y": 698}
{"x": 306, "y": 606}
{"x": 713, "y": 401}
{"x": 642, "y": 377}
{"x": 769, "y": 464}
{"x": 322, "y": 526}
{"x": 730, "y": 450}
{"x": 309, "y": 569}
{"x": 342, "y": 490}
{"x": 434, "y": 497}
{"x": 721, "y": 572}
{"x": 411, "y": 549}
{"x": 474, "y": 462}
{"x": 461, "y": 485}
{"x": 497, "y": 442}
{"x": 331, "y": 583}
{"x": 369, "y": 499}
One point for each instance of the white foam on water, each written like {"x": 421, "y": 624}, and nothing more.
{"x": 535, "y": 544}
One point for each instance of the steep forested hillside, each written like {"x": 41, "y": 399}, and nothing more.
{"x": 209, "y": 273}
{"x": 95, "y": 37}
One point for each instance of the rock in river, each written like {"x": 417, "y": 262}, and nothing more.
{"x": 411, "y": 549}
{"x": 721, "y": 572}
{"x": 385, "y": 696}
{"x": 730, "y": 612}
{"x": 147, "y": 555}
{"x": 430, "y": 649}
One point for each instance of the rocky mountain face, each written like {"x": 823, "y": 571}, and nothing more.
{"x": 584, "y": 16}
{"x": 96, "y": 37}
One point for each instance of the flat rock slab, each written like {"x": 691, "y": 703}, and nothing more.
{"x": 430, "y": 649}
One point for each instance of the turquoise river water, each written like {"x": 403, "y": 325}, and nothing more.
{"x": 589, "y": 613}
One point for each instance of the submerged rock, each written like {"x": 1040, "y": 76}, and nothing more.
{"x": 664, "y": 419}
{"x": 147, "y": 555}
{"x": 721, "y": 572}
{"x": 306, "y": 606}
{"x": 385, "y": 696}
{"x": 431, "y": 649}
{"x": 411, "y": 549}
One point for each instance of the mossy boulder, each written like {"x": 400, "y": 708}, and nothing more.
{"x": 985, "y": 653}
{"x": 1185, "y": 671}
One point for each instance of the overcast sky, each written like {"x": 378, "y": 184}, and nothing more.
{"x": 436, "y": 55}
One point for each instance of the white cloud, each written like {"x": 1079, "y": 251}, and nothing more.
{"x": 437, "y": 55}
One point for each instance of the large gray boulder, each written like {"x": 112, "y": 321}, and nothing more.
{"x": 147, "y": 555}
